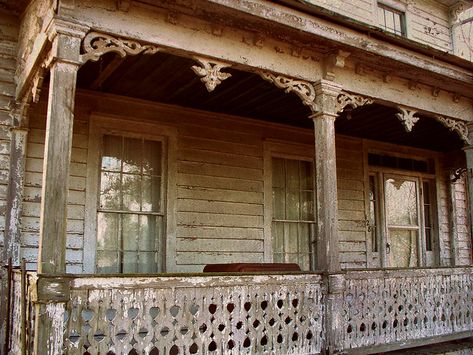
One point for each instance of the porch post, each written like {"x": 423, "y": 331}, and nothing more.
{"x": 19, "y": 133}
{"x": 469, "y": 178}
{"x": 326, "y": 210}
{"x": 52, "y": 290}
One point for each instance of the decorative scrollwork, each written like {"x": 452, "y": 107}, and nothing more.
{"x": 352, "y": 101}
{"x": 406, "y": 116}
{"x": 210, "y": 73}
{"x": 457, "y": 174}
{"x": 303, "y": 89}
{"x": 96, "y": 44}
{"x": 454, "y": 125}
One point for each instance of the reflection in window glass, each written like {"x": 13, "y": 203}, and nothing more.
{"x": 130, "y": 216}
{"x": 401, "y": 202}
{"x": 293, "y": 212}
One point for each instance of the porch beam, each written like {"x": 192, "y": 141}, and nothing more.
{"x": 326, "y": 176}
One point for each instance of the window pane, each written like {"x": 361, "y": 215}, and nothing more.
{"x": 372, "y": 216}
{"x": 152, "y": 158}
{"x": 131, "y": 192}
{"x": 151, "y": 193}
{"x": 292, "y": 204}
{"x": 150, "y": 233}
{"x": 131, "y": 231}
{"x": 307, "y": 206}
{"x": 306, "y": 175}
{"x": 130, "y": 262}
{"x": 279, "y": 173}
{"x": 292, "y": 174}
{"x": 278, "y": 242}
{"x": 107, "y": 231}
{"x": 279, "y": 203}
{"x": 132, "y": 154}
{"x": 112, "y": 153}
{"x": 401, "y": 202}
{"x": 107, "y": 262}
{"x": 403, "y": 248}
{"x": 110, "y": 191}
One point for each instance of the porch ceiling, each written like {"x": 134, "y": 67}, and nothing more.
{"x": 169, "y": 79}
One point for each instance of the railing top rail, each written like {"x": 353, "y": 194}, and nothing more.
{"x": 200, "y": 280}
{"x": 402, "y": 273}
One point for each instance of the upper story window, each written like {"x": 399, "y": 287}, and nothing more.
{"x": 391, "y": 20}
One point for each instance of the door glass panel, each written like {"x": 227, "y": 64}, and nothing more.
{"x": 401, "y": 202}
{"x": 403, "y": 248}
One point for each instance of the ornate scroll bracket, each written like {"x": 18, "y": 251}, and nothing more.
{"x": 457, "y": 174}
{"x": 303, "y": 89}
{"x": 457, "y": 126}
{"x": 210, "y": 73}
{"x": 406, "y": 116}
{"x": 348, "y": 102}
{"x": 97, "y": 44}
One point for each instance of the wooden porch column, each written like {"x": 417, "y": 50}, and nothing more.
{"x": 19, "y": 133}
{"x": 326, "y": 176}
{"x": 53, "y": 290}
{"x": 57, "y": 153}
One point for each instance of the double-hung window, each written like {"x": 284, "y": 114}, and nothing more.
{"x": 292, "y": 229}
{"x": 130, "y": 213}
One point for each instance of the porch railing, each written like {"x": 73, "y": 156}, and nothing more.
{"x": 354, "y": 311}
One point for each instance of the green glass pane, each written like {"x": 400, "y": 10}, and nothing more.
{"x": 148, "y": 262}
{"x": 292, "y": 174}
{"x": 307, "y": 182}
{"x": 130, "y": 262}
{"x": 307, "y": 206}
{"x": 278, "y": 237}
{"x": 292, "y": 204}
{"x": 150, "y": 233}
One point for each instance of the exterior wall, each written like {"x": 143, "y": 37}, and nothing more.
{"x": 32, "y": 192}
{"x": 9, "y": 26}
{"x": 463, "y": 223}
{"x": 426, "y": 21}
{"x": 220, "y": 185}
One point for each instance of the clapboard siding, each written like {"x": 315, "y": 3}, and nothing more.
{"x": 351, "y": 204}
{"x": 219, "y": 202}
{"x": 9, "y": 27}
{"x": 32, "y": 191}
{"x": 443, "y": 202}
{"x": 464, "y": 245}
{"x": 427, "y": 21}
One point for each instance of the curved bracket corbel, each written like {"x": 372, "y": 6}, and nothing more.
{"x": 97, "y": 44}
{"x": 303, "y": 89}
{"x": 346, "y": 100}
{"x": 406, "y": 116}
{"x": 209, "y": 72}
{"x": 456, "y": 126}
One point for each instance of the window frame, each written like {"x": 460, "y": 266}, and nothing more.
{"x": 101, "y": 125}
{"x": 285, "y": 150}
{"x": 394, "y": 7}
{"x": 380, "y": 258}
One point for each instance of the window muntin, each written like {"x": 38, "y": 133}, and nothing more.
{"x": 293, "y": 211}
{"x": 391, "y": 20}
{"x": 130, "y": 213}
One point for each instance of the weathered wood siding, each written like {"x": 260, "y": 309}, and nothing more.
{"x": 443, "y": 201}
{"x": 219, "y": 184}
{"x": 32, "y": 192}
{"x": 463, "y": 223}
{"x": 351, "y": 205}
{"x": 9, "y": 27}
{"x": 426, "y": 21}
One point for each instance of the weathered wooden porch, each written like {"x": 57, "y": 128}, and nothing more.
{"x": 357, "y": 311}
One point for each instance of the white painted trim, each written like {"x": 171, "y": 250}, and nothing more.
{"x": 103, "y": 124}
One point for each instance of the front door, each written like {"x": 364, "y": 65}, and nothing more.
{"x": 402, "y": 221}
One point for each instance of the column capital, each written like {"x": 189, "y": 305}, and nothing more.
{"x": 66, "y": 39}
{"x": 326, "y": 93}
